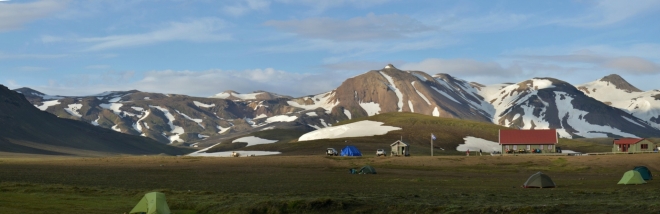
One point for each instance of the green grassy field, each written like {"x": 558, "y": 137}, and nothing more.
{"x": 319, "y": 184}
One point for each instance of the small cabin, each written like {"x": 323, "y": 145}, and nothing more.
{"x": 632, "y": 145}
{"x": 399, "y": 148}
{"x": 528, "y": 141}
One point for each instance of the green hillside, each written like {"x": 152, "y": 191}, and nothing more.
{"x": 416, "y": 130}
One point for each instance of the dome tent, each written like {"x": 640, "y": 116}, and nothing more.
{"x": 539, "y": 180}
{"x": 350, "y": 151}
{"x": 152, "y": 203}
{"x": 367, "y": 170}
{"x": 632, "y": 177}
{"x": 645, "y": 172}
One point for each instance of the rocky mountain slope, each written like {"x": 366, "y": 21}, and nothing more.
{"x": 26, "y": 129}
{"x": 530, "y": 104}
{"x": 542, "y": 103}
{"x": 617, "y": 92}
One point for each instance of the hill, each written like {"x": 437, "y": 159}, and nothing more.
{"x": 26, "y": 129}
{"x": 415, "y": 129}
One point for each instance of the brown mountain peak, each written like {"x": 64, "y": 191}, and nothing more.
{"x": 620, "y": 83}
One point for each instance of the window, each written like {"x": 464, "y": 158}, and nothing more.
{"x": 549, "y": 147}
{"x": 515, "y": 147}
{"x": 529, "y": 147}
{"x": 507, "y": 147}
{"x": 541, "y": 147}
{"x": 645, "y": 146}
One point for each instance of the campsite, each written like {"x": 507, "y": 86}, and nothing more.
{"x": 321, "y": 184}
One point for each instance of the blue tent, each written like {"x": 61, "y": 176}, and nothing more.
{"x": 350, "y": 151}
{"x": 645, "y": 172}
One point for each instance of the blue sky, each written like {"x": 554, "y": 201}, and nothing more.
{"x": 301, "y": 47}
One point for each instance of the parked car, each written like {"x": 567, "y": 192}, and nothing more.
{"x": 331, "y": 152}
{"x": 380, "y": 152}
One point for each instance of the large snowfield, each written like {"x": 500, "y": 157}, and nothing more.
{"x": 475, "y": 144}
{"x": 358, "y": 129}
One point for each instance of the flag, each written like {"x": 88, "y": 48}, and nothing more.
{"x": 432, "y": 136}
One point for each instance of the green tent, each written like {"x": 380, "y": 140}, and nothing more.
{"x": 632, "y": 177}
{"x": 152, "y": 203}
{"x": 539, "y": 180}
{"x": 367, "y": 170}
{"x": 645, "y": 172}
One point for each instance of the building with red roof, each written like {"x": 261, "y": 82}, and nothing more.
{"x": 633, "y": 145}
{"x": 528, "y": 141}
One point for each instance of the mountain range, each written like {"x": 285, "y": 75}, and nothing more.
{"x": 26, "y": 129}
{"x": 607, "y": 107}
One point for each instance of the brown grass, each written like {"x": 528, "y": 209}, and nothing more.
{"x": 281, "y": 184}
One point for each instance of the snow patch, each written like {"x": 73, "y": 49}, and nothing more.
{"x": 176, "y": 130}
{"x": 137, "y": 126}
{"x": 198, "y": 121}
{"x": 252, "y": 140}
{"x": 312, "y": 114}
{"x": 475, "y": 144}
{"x": 116, "y": 128}
{"x": 73, "y": 109}
{"x": 445, "y": 94}
{"x": 223, "y": 130}
{"x": 96, "y": 122}
{"x": 320, "y": 101}
{"x": 371, "y": 108}
{"x": 204, "y": 105}
{"x": 436, "y": 113}
{"x": 201, "y": 136}
{"x": 112, "y": 106}
{"x": 358, "y": 129}
{"x": 47, "y": 104}
{"x": 261, "y": 116}
{"x": 347, "y": 113}
{"x": 410, "y": 104}
{"x": 396, "y": 90}
{"x": 281, "y": 118}
{"x": 420, "y": 94}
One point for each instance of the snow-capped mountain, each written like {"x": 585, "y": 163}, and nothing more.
{"x": 617, "y": 92}
{"x": 531, "y": 104}
{"x": 26, "y": 129}
{"x": 542, "y": 103}
{"x": 167, "y": 118}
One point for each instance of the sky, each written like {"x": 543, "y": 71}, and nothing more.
{"x": 305, "y": 47}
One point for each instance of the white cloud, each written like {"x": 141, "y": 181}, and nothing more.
{"x": 51, "y": 39}
{"x": 632, "y": 65}
{"x": 31, "y": 56}
{"x": 12, "y": 84}
{"x": 31, "y": 68}
{"x": 590, "y": 60}
{"x": 15, "y": 15}
{"x": 244, "y": 6}
{"x": 322, "y": 5}
{"x": 608, "y": 12}
{"x": 492, "y": 22}
{"x": 201, "y": 83}
{"x": 369, "y": 27}
{"x": 199, "y": 30}
{"x": 462, "y": 67}
{"x": 99, "y": 67}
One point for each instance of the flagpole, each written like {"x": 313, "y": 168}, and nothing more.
{"x": 431, "y": 145}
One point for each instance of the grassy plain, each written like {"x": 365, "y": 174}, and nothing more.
{"x": 320, "y": 184}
